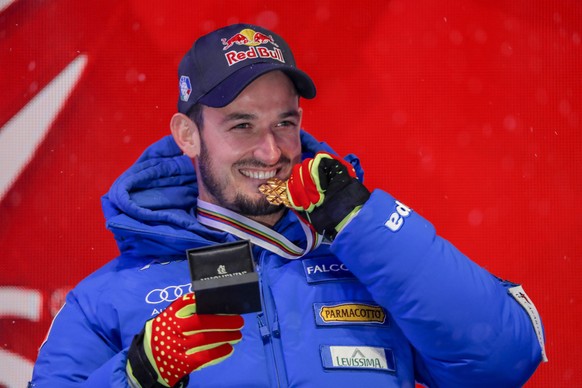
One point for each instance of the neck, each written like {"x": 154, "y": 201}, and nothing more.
{"x": 269, "y": 219}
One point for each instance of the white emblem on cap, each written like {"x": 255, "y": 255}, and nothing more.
{"x": 185, "y": 88}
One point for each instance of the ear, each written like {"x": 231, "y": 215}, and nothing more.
{"x": 185, "y": 134}
{"x": 300, "y": 110}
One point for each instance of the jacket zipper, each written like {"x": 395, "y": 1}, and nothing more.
{"x": 269, "y": 327}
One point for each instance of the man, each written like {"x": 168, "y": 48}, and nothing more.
{"x": 374, "y": 298}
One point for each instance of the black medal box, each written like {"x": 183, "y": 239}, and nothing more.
{"x": 224, "y": 279}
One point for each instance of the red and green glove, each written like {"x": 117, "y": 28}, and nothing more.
{"x": 178, "y": 341}
{"x": 327, "y": 189}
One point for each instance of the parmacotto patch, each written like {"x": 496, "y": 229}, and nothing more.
{"x": 349, "y": 313}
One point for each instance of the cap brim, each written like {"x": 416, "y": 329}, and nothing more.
{"x": 226, "y": 91}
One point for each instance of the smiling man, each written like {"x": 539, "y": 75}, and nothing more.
{"x": 238, "y": 147}
{"x": 356, "y": 288}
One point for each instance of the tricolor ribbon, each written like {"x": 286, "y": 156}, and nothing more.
{"x": 219, "y": 218}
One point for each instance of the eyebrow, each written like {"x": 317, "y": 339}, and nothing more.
{"x": 249, "y": 116}
{"x": 291, "y": 113}
{"x": 238, "y": 116}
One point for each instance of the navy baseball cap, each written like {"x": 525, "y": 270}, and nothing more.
{"x": 222, "y": 63}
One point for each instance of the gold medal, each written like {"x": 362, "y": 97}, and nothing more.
{"x": 275, "y": 190}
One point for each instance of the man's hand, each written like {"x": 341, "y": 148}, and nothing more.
{"x": 326, "y": 188}
{"x": 178, "y": 341}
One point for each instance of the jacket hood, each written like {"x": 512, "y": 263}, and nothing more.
{"x": 150, "y": 207}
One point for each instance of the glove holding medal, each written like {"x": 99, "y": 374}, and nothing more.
{"x": 177, "y": 342}
{"x": 325, "y": 188}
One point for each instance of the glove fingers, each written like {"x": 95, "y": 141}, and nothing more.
{"x": 302, "y": 191}
{"x": 349, "y": 167}
{"x": 326, "y": 160}
{"x": 209, "y": 322}
{"x": 317, "y": 169}
{"x": 204, "y": 341}
{"x": 177, "y": 365}
{"x": 312, "y": 184}
{"x": 295, "y": 192}
{"x": 176, "y": 357}
{"x": 210, "y": 357}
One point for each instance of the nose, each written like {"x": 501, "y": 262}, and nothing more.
{"x": 267, "y": 149}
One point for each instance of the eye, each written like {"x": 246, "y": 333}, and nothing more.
{"x": 286, "y": 123}
{"x": 242, "y": 126}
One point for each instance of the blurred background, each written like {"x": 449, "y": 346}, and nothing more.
{"x": 468, "y": 111}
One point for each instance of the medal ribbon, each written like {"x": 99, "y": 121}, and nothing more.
{"x": 217, "y": 217}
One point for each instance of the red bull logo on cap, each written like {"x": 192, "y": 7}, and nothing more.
{"x": 253, "y": 40}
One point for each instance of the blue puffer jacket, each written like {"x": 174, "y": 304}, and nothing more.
{"x": 386, "y": 304}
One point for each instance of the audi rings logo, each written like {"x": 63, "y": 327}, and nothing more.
{"x": 168, "y": 294}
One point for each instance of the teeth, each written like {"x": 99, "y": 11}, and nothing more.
{"x": 259, "y": 174}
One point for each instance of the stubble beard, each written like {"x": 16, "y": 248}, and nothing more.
{"x": 217, "y": 188}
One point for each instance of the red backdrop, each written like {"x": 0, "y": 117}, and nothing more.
{"x": 469, "y": 111}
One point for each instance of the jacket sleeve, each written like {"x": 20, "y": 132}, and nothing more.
{"x": 76, "y": 353}
{"x": 465, "y": 327}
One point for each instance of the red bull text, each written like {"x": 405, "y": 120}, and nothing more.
{"x": 254, "y": 40}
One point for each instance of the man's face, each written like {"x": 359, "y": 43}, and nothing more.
{"x": 254, "y": 138}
